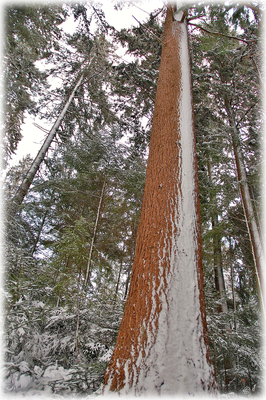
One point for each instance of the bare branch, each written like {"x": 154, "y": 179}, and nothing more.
{"x": 222, "y": 34}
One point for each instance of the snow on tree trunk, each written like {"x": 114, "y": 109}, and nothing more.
{"x": 162, "y": 345}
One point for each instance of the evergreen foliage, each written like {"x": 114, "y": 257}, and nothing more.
{"x": 80, "y": 217}
{"x": 32, "y": 33}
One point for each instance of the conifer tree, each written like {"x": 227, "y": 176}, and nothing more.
{"x": 162, "y": 345}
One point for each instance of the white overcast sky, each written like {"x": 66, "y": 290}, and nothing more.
{"x": 34, "y": 137}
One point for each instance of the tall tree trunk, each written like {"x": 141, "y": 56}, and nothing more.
{"x": 24, "y": 187}
{"x": 253, "y": 229}
{"x": 162, "y": 345}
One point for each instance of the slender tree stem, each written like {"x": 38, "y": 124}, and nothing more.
{"x": 94, "y": 235}
{"x": 39, "y": 232}
{"x": 78, "y": 322}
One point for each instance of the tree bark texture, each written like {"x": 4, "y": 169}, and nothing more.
{"x": 162, "y": 345}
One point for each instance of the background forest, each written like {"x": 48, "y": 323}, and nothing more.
{"x": 69, "y": 245}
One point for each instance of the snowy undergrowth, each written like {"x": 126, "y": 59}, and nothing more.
{"x": 40, "y": 351}
{"x": 57, "y": 382}
{"x": 23, "y": 380}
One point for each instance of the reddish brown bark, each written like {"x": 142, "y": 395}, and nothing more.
{"x": 154, "y": 249}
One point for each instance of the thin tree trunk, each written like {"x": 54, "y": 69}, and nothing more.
{"x": 253, "y": 230}
{"x": 217, "y": 253}
{"x": 232, "y": 282}
{"x": 129, "y": 270}
{"x": 218, "y": 270}
{"x": 134, "y": 231}
{"x": 39, "y": 233}
{"x": 162, "y": 345}
{"x": 119, "y": 274}
{"x": 24, "y": 187}
{"x": 215, "y": 360}
{"x": 78, "y": 322}
{"x": 77, "y": 334}
{"x": 93, "y": 236}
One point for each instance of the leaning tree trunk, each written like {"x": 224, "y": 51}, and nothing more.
{"x": 27, "y": 181}
{"x": 252, "y": 226}
{"x": 162, "y": 345}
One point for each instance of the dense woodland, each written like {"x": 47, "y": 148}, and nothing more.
{"x": 70, "y": 241}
